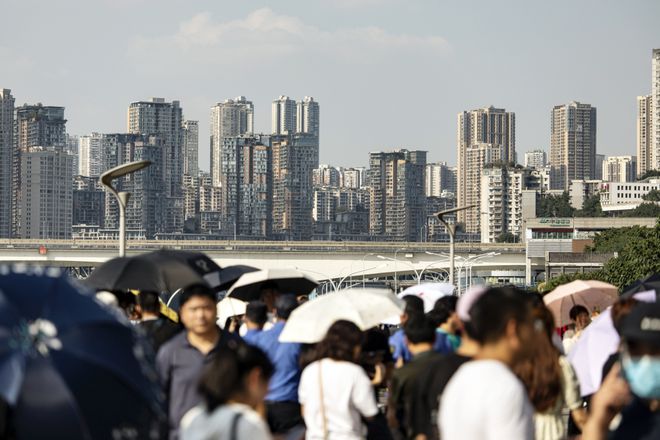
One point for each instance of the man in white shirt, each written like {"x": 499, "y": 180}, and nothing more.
{"x": 484, "y": 399}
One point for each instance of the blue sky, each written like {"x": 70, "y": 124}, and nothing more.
{"x": 387, "y": 73}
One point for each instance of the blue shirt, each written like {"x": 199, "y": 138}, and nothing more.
{"x": 399, "y": 347}
{"x": 251, "y": 336}
{"x": 285, "y": 356}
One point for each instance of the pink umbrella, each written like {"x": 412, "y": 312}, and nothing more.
{"x": 594, "y": 295}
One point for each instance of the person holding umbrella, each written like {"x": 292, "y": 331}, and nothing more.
{"x": 157, "y": 329}
{"x": 581, "y": 319}
{"x": 181, "y": 360}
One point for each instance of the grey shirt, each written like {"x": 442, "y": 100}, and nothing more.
{"x": 180, "y": 366}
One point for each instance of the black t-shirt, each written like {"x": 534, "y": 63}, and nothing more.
{"x": 159, "y": 331}
{"x": 637, "y": 422}
{"x": 428, "y": 388}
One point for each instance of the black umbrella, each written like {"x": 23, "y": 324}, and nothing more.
{"x": 69, "y": 367}
{"x": 652, "y": 282}
{"x": 230, "y": 274}
{"x": 124, "y": 273}
{"x": 180, "y": 269}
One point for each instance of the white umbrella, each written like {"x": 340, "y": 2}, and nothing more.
{"x": 428, "y": 292}
{"x": 591, "y": 294}
{"x": 229, "y": 307}
{"x": 365, "y": 307}
{"x": 248, "y": 286}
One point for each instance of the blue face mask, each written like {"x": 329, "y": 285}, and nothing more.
{"x": 643, "y": 375}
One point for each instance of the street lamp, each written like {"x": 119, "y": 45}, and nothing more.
{"x": 122, "y": 196}
{"x": 451, "y": 228}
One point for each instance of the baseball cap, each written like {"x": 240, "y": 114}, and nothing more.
{"x": 642, "y": 324}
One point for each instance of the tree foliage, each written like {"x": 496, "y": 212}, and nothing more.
{"x": 649, "y": 173}
{"x": 652, "y": 196}
{"x": 555, "y": 282}
{"x": 648, "y": 209}
{"x": 555, "y": 206}
{"x": 591, "y": 207}
{"x": 506, "y": 237}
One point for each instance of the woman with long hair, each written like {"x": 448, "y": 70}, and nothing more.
{"x": 550, "y": 381}
{"x": 233, "y": 388}
{"x": 335, "y": 392}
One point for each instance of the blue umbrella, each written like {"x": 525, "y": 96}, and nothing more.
{"x": 69, "y": 367}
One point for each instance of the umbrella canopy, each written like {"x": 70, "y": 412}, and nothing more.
{"x": 651, "y": 282}
{"x": 597, "y": 342}
{"x": 428, "y": 292}
{"x": 126, "y": 273}
{"x": 70, "y": 367}
{"x": 229, "y": 307}
{"x": 365, "y": 307}
{"x": 594, "y": 295}
{"x": 230, "y": 274}
{"x": 248, "y": 287}
{"x": 180, "y": 269}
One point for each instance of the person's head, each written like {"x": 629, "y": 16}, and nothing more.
{"x": 580, "y": 316}
{"x": 236, "y": 374}
{"x": 414, "y": 306}
{"x": 342, "y": 342}
{"x": 256, "y": 314}
{"x": 502, "y": 322}
{"x": 620, "y": 310}
{"x": 463, "y": 307}
{"x": 148, "y": 304}
{"x": 448, "y": 303}
{"x": 198, "y": 309}
{"x": 420, "y": 333}
{"x": 640, "y": 358}
{"x": 269, "y": 291}
{"x": 284, "y": 305}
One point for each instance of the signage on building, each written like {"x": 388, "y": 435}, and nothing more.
{"x": 555, "y": 221}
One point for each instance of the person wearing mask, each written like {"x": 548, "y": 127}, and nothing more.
{"x": 430, "y": 384}
{"x": 550, "y": 380}
{"x": 233, "y": 388}
{"x": 282, "y": 407}
{"x": 256, "y": 315}
{"x": 618, "y": 312}
{"x": 580, "y": 318}
{"x": 420, "y": 335}
{"x": 335, "y": 392}
{"x": 447, "y": 323}
{"x": 181, "y": 360}
{"x": 632, "y": 388}
{"x": 157, "y": 328}
{"x": 400, "y": 354}
{"x": 484, "y": 399}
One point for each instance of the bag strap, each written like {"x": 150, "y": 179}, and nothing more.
{"x": 233, "y": 431}
{"x": 325, "y": 421}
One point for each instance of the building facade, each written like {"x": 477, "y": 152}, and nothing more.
{"x": 440, "y": 178}
{"x": 572, "y": 144}
{"x": 191, "y": 148}
{"x": 89, "y": 155}
{"x": 284, "y": 112}
{"x": 620, "y": 169}
{"x": 625, "y": 196}
{"x": 233, "y": 117}
{"x": 7, "y": 159}
{"x": 326, "y": 175}
{"x": 536, "y": 159}
{"x": 645, "y": 152}
{"x": 477, "y": 157}
{"x": 308, "y": 116}
{"x": 88, "y": 202}
{"x": 655, "y": 111}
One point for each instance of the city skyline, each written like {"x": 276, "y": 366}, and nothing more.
{"x": 447, "y": 59}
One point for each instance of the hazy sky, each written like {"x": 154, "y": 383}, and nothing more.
{"x": 387, "y": 73}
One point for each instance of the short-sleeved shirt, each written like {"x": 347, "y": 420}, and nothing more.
{"x": 199, "y": 424}
{"x": 347, "y": 397}
{"x": 251, "y": 335}
{"x": 485, "y": 400}
{"x": 399, "y": 347}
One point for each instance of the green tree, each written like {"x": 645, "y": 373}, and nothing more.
{"x": 648, "y": 209}
{"x": 555, "y": 206}
{"x": 652, "y": 196}
{"x": 591, "y": 207}
{"x": 649, "y": 173}
{"x": 557, "y": 281}
{"x": 615, "y": 240}
{"x": 506, "y": 237}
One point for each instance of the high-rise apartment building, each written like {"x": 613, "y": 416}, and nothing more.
{"x": 352, "y": 177}
{"x": 440, "y": 178}
{"x": 247, "y": 186}
{"x": 645, "y": 151}
{"x": 89, "y": 155}
{"x": 7, "y": 159}
{"x": 598, "y": 171}
{"x": 284, "y": 116}
{"x": 655, "y": 103}
{"x": 326, "y": 175}
{"x": 572, "y": 144}
{"x": 46, "y": 193}
{"x": 398, "y": 203}
{"x": 88, "y": 202}
{"x": 295, "y": 156}
{"x": 492, "y": 127}
{"x": 308, "y": 116}
{"x": 164, "y": 120}
{"x": 536, "y": 159}
{"x": 191, "y": 148}
{"x": 233, "y": 117}
{"x": 620, "y": 169}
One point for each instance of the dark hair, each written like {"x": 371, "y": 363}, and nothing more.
{"x": 225, "y": 374}
{"x": 196, "y": 290}
{"x": 285, "y": 304}
{"x": 419, "y": 329}
{"x": 540, "y": 372}
{"x": 149, "y": 302}
{"x": 340, "y": 341}
{"x": 438, "y": 316}
{"x": 446, "y": 302}
{"x": 257, "y": 312}
{"x": 620, "y": 310}
{"x": 576, "y": 310}
{"x": 494, "y": 309}
{"x": 414, "y": 305}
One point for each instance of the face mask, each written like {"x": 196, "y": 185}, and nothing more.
{"x": 643, "y": 375}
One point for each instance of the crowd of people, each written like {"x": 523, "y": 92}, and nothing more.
{"x": 488, "y": 365}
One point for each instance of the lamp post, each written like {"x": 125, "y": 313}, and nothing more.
{"x": 451, "y": 228}
{"x": 122, "y": 196}
{"x": 363, "y": 270}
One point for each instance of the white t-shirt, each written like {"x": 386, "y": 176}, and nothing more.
{"x": 199, "y": 424}
{"x": 347, "y": 395}
{"x": 484, "y": 400}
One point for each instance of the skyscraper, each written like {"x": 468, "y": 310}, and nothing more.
{"x": 191, "y": 148}
{"x": 284, "y": 115}
{"x": 655, "y": 112}
{"x": 397, "y": 203}
{"x": 619, "y": 169}
{"x": 440, "y": 178}
{"x": 7, "y": 153}
{"x": 484, "y": 135}
{"x": 572, "y": 144}
{"x": 233, "y": 117}
{"x": 89, "y": 155}
{"x": 645, "y": 151}
{"x": 307, "y": 116}
{"x": 536, "y": 159}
